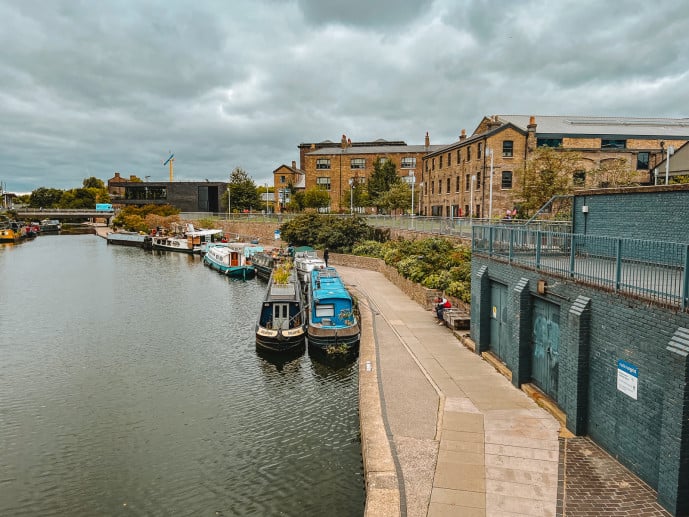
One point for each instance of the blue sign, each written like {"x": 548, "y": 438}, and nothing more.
{"x": 627, "y": 378}
{"x": 104, "y": 207}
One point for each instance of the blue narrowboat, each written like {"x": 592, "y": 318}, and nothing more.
{"x": 333, "y": 324}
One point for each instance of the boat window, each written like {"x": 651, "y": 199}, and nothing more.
{"x": 325, "y": 311}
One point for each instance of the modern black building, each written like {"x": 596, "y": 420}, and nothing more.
{"x": 187, "y": 196}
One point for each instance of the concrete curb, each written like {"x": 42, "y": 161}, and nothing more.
{"x": 380, "y": 474}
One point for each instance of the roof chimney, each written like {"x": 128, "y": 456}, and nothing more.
{"x": 294, "y": 164}
{"x": 532, "y": 121}
{"x": 427, "y": 141}
{"x": 463, "y": 135}
{"x": 117, "y": 174}
{"x": 343, "y": 141}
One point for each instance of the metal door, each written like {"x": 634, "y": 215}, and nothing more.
{"x": 499, "y": 330}
{"x": 545, "y": 346}
{"x": 281, "y": 316}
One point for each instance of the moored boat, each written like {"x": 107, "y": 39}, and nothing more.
{"x": 123, "y": 238}
{"x": 265, "y": 261}
{"x": 191, "y": 240}
{"x": 50, "y": 225}
{"x": 333, "y": 324}
{"x": 232, "y": 259}
{"x": 282, "y": 321}
{"x": 306, "y": 261}
{"x": 7, "y": 231}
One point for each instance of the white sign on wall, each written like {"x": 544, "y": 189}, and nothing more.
{"x": 627, "y": 378}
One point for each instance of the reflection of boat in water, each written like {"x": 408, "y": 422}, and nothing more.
{"x": 7, "y": 231}
{"x": 231, "y": 259}
{"x": 281, "y": 324}
{"x": 126, "y": 238}
{"x": 333, "y": 325}
{"x": 192, "y": 240}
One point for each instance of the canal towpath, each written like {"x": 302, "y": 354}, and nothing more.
{"x": 444, "y": 433}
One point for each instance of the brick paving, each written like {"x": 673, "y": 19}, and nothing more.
{"x": 593, "y": 484}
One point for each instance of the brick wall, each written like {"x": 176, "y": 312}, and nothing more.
{"x": 640, "y": 433}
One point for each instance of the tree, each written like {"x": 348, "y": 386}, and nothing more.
{"x": 383, "y": 177}
{"x": 243, "y": 192}
{"x": 316, "y": 197}
{"x": 93, "y": 182}
{"x": 45, "y": 198}
{"x": 546, "y": 173}
{"x": 613, "y": 173}
{"x": 397, "y": 198}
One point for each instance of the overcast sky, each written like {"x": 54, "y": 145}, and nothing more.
{"x": 88, "y": 88}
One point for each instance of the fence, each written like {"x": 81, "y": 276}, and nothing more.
{"x": 653, "y": 270}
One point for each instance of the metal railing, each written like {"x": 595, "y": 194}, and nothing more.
{"x": 653, "y": 270}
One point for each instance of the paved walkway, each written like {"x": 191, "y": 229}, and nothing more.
{"x": 445, "y": 434}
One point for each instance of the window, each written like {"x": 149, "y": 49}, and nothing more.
{"x": 323, "y": 182}
{"x": 440, "y": 161}
{"x": 613, "y": 144}
{"x": 449, "y": 159}
{"x": 549, "y": 142}
{"x": 323, "y": 163}
{"x": 440, "y": 186}
{"x": 459, "y": 157}
{"x": 458, "y": 183}
{"x": 507, "y": 148}
{"x": 357, "y": 163}
{"x": 479, "y": 149}
{"x": 468, "y": 154}
{"x": 467, "y": 182}
{"x": 409, "y": 163}
{"x": 433, "y": 164}
{"x": 579, "y": 178}
{"x": 282, "y": 179}
{"x": 448, "y": 186}
{"x": 506, "y": 180}
{"x": 478, "y": 180}
{"x": 642, "y": 161}
{"x": 432, "y": 187}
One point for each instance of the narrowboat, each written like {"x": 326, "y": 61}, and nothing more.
{"x": 124, "y": 238}
{"x": 333, "y": 324}
{"x": 191, "y": 240}
{"x": 50, "y": 225}
{"x": 265, "y": 261}
{"x": 7, "y": 231}
{"x": 306, "y": 261}
{"x": 232, "y": 259}
{"x": 282, "y": 321}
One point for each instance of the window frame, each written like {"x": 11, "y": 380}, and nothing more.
{"x": 321, "y": 164}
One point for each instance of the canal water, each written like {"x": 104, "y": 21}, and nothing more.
{"x": 130, "y": 384}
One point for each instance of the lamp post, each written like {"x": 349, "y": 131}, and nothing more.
{"x": 266, "y": 198}
{"x": 489, "y": 152}
{"x": 471, "y": 198}
{"x": 420, "y": 194}
{"x": 670, "y": 152}
{"x": 229, "y": 201}
{"x": 351, "y": 196}
{"x": 412, "y": 181}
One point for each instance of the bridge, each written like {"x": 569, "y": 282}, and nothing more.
{"x": 62, "y": 214}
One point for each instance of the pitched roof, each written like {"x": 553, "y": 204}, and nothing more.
{"x": 586, "y": 125}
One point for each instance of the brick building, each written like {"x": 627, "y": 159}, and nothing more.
{"x": 331, "y": 166}
{"x": 287, "y": 180}
{"x": 456, "y": 179}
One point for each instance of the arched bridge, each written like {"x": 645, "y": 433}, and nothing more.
{"x": 63, "y": 214}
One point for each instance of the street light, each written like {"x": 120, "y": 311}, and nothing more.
{"x": 266, "y": 198}
{"x": 471, "y": 198}
{"x": 229, "y": 201}
{"x": 420, "y": 194}
{"x": 351, "y": 196}
{"x": 412, "y": 180}
{"x": 489, "y": 152}
{"x": 670, "y": 152}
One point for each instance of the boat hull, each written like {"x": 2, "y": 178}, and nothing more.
{"x": 333, "y": 338}
{"x": 126, "y": 239}
{"x": 8, "y": 235}
{"x": 244, "y": 271}
{"x": 280, "y": 340}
